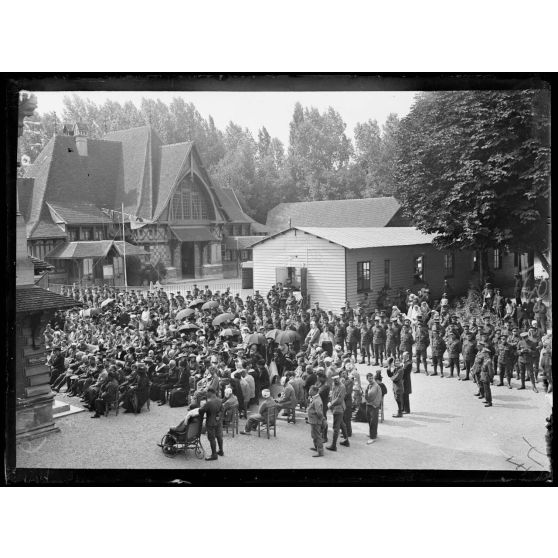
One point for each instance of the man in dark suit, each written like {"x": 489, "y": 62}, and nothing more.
{"x": 213, "y": 423}
{"x": 396, "y": 376}
{"x": 407, "y": 386}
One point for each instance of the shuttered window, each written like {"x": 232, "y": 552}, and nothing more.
{"x": 449, "y": 262}
{"x": 497, "y": 259}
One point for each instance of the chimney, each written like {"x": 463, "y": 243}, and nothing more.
{"x": 80, "y": 133}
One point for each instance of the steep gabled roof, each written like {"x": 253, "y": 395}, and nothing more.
{"x": 367, "y": 212}
{"x": 173, "y": 158}
{"x": 78, "y": 213}
{"x": 135, "y": 146}
{"x": 231, "y": 206}
{"x": 45, "y": 229}
{"x": 25, "y": 194}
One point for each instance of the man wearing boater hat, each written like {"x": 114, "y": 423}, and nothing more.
{"x": 268, "y": 407}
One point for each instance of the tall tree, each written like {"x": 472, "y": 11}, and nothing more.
{"x": 474, "y": 168}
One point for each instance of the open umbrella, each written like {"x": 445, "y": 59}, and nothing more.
{"x": 229, "y": 332}
{"x": 185, "y": 313}
{"x": 256, "y": 339}
{"x": 223, "y": 318}
{"x": 107, "y": 302}
{"x": 288, "y": 336}
{"x": 273, "y": 333}
{"x": 210, "y": 304}
{"x": 196, "y": 303}
{"x": 188, "y": 327}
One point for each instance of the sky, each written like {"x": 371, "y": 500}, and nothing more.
{"x": 253, "y": 110}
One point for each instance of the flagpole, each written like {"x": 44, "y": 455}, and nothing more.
{"x": 124, "y": 250}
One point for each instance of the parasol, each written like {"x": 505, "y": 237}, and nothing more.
{"x": 222, "y": 318}
{"x": 107, "y": 302}
{"x": 256, "y": 339}
{"x": 288, "y": 336}
{"x": 189, "y": 327}
{"x": 196, "y": 303}
{"x": 273, "y": 334}
{"x": 210, "y": 305}
{"x": 229, "y": 332}
{"x": 187, "y": 312}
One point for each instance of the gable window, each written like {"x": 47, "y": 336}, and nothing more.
{"x": 98, "y": 233}
{"x": 418, "y": 274}
{"x": 497, "y": 259}
{"x": 449, "y": 262}
{"x": 246, "y": 255}
{"x": 73, "y": 234}
{"x": 363, "y": 276}
{"x": 387, "y": 273}
{"x": 190, "y": 202}
{"x": 86, "y": 233}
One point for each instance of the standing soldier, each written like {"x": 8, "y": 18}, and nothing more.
{"x": 487, "y": 375}
{"x": 476, "y": 370}
{"x": 365, "y": 342}
{"x": 337, "y": 406}
{"x": 546, "y": 358}
{"x": 518, "y": 287}
{"x": 315, "y": 420}
{"x": 347, "y": 381}
{"x": 525, "y": 360}
{"x": 438, "y": 350}
{"x": 535, "y": 338}
{"x": 514, "y": 340}
{"x": 506, "y": 358}
{"x": 453, "y": 348}
{"x": 379, "y": 341}
{"x": 396, "y": 376}
{"x": 469, "y": 351}
{"x": 392, "y": 338}
{"x": 498, "y": 304}
{"x": 539, "y": 312}
{"x": 353, "y": 338}
{"x": 407, "y": 385}
{"x": 406, "y": 338}
{"x": 422, "y": 343}
{"x": 339, "y": 333}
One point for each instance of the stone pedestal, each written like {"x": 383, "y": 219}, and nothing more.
{"x": 34, "y": 417}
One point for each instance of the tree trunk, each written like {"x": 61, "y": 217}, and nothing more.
{"x": 545, "y": 263}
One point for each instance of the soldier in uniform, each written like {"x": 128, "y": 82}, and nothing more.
{"x": 353, "y": 339}
{"x": 539, "y": 312}
{"x": 379, "y": 341}
{"x": 525, "y": 351}
{"x": 487, "y": 375}
{"x": 454, "y": 349}
{"x": 438, "y": 350}
{"x": 476, "y": 370}
{"x": 392, "y": 338}
{"x": 506, "y": 358}
{"x": 422, "y": 342}
{"x": 339, "y": 333}
{"x": 469, "y": 351}
{"x": 396, "y": 376}
{"x": 406, "y": 338}
{"x": 365, "y": 342}
{"x": 514, "y": 340}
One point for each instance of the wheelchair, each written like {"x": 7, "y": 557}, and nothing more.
{"x": 187, "y": 438}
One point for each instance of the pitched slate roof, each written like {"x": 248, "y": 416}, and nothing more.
{"x": 46, "y": 229}
{"x": 25, "y": 193}
{"x": 131, "y": 249}
{"x": 367, "y": 212}
{"x": 81, "y": 249}
{"x": 241, "y": 242}
{"x": 174, "y": 158}
{"x": 31, "y": 299}
{"x": 364, "y": 237}
{"x": 78, "y": 213}
{"x": 232, "y": 206}
{"x": 40, "y": 265}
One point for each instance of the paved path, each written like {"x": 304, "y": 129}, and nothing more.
{"x": 448, "y": 429}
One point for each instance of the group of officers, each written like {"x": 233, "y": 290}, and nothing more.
{"x": 134, "y": 349}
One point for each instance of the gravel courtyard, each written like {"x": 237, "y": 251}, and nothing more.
{"x": 448, "y": 428}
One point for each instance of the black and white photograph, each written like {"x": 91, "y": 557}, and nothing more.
{"x": 259, "y": 277}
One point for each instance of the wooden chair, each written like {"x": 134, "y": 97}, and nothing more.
{"x": 271, "y": 422}
{"x": 231, "y": 420}
{"x": 112, "y": 405}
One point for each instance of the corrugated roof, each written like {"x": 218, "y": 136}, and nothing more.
{"x": 364, "y": 237}
{"x": 193, "y": 234}
{"x": 367, "y": 212}
{"x": 79, "y": 213}
{"x": 32, "y": 299}
{"x": 81, "y": 249}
